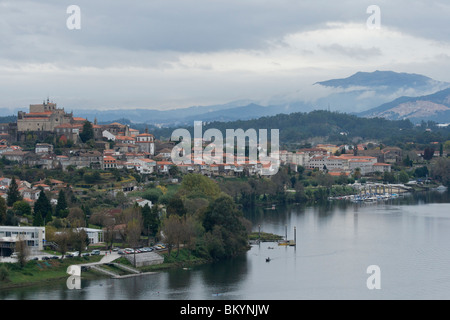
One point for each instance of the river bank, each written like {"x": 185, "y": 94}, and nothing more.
{"x": 38, "y": 272}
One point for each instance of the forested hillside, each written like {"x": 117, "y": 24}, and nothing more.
{"x": 333, "y": 127}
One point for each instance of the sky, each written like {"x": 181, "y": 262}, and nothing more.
{"x": 165, "y": 54}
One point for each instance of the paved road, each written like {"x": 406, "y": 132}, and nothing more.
{"x": 107, "y": 257}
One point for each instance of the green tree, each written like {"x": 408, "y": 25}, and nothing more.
{"x": 388, "y": 177}
{"x": 37, "y": 219}
{"x": 226, "y": 227}
{"x": 61, "y": 207}
{"x": 87, "y": 132}
{"x": 152, "y": 195}
{"x": 121, "y": 199}
{"x": 22, "y": 208}
{"x": 403, "y": 176}
{"x": 92, "y": 177}
{"x": 176, "y": 206}
{"x": 43, "y": 207}
{"x": 3, "y": 208}
{"x": 13, "y": 193}
{"x": 421, "y": 172}
{"x": 428, "y": 153}
{"x": 198, "y": 185}
{"x": 407, "y": 162}
{"x": 150, "y": 219}
{"x": 174, "y": 171}
{"x": 441, "y": 171}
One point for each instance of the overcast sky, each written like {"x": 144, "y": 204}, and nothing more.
{"x": 163, "y": 54}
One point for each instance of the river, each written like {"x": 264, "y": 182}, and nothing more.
{"x": 406, "y": 240}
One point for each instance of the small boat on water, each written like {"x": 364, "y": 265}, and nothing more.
{"x": 267, "y": 259}
{"x": 286, "y": 243}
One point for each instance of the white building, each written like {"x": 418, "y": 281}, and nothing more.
{"x": 108, "y": 135}
{"x": 94, "y": 235}
{"x": 144, "y": 166}
{"x": 43, "y": 148}
{"x": 9, "y": 235}
{"x": 146, "y": 142}
{"x": 142, "y": 202}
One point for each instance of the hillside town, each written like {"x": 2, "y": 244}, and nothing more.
{"x": 48, "y": 137}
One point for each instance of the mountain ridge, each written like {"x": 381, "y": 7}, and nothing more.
{"x": 434, "y": 107}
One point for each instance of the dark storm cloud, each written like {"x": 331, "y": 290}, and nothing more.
{"x": 204, "y": 50}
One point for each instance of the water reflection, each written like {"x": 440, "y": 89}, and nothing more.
{"x": 408, "y": 237}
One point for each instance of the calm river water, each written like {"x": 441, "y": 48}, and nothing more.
{"x": 407, "y": 238}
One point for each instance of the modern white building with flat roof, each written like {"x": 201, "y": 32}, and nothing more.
{"x": 9, "y": 235}
{"x": 94, "y": 235}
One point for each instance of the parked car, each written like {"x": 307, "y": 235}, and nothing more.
{"x": 128, "y": 250}
{"x": 95, "y": 252}
{"x": 121, "y": 251}
{"x": 85, "y": 254}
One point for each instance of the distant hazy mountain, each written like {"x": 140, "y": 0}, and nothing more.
{"x": 366, "y": 90}
{"x": 357, "y": 93}
{"x": 226, "y": 112}
{"x": 388, "y": 79}
{"x": 435, "y": 107}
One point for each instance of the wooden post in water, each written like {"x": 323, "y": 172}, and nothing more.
{"x": 295, "y": 236}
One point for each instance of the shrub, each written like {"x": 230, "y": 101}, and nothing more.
{"x": 4, "y": 273}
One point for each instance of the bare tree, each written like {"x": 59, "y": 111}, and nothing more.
{"x": 108, "y": 234}
{"x": 190, "y": 229}
{"x": 62, "y": 240}
{"x": 172, "y": 232}
{"x": 76, "y": 217}
{"x": 22, "y": 251}
{"x": 108, "y": 222}
{"x": 79, "y": 240}
{"x": 132, "y": 218}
